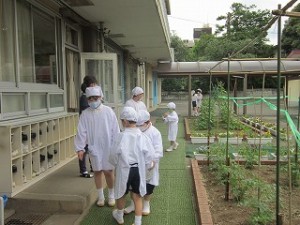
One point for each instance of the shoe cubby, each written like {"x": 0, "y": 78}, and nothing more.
{"x": 26, "y": 142}
{"x": 34, "y": 136}
{"x": 43, "y": 160}
{"x": 55, "y": 152}
{"x": 32, "y": 148}
{"x": 62, "y": 128}
{"x": 62, "y": 150}
{"x": 35, "y": 164}
{"x": 17, "y": 173}
{"x": 43, "y": 131}
{"x": 27, "y": 168}
{"x": 15, "y": 139}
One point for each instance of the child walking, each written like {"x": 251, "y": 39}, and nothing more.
{"x": 171, "y": 118}
{"x": 98, "y": 126}
{"x": 152, "y": 180}
{"x": 132, "y": 156}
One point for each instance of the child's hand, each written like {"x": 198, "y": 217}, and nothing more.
{"x": 165, "y": 114}
{"x": 151, "y": 165}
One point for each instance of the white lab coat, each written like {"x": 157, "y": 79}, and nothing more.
{"x": 156, "y": 140}
{"x": 172, "y": 121}
{"x": 97, "y": 128}
{"x": 141, "y": 151}
{"x": 139, "y": 105}
{"x": 199, "y": 99}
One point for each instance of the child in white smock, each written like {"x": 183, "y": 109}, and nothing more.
{"x": 171, "y": 118}
{"x": 132, "y": 155}
{"x": 98, "y": 127}
{"x": 145, "y": 125}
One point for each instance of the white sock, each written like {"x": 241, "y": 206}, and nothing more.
{"x": 138, "y": 220}
{"x": 111, "y": 193}
{"x": 100, "y": 193}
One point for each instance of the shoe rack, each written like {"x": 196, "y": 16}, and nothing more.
{"x": 33, "y": 148}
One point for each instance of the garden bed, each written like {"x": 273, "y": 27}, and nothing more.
{"x": 229, "y": 212}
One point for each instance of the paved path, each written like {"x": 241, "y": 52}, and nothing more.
{"x": 173, "y": 201}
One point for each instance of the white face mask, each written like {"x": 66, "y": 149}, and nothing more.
{"x": 95, "y": 104}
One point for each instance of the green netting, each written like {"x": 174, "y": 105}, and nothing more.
{"x": 290, "y": 122}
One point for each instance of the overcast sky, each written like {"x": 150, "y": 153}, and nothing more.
{"x": 189, "y": 14}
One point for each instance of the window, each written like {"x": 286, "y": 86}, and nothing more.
{"x": 14, "y": 102}
{"x": 30, "y": 59}
{"x": 7, "y": 62}
{"x": 38, "y": 101}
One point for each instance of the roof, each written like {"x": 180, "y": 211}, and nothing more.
{"x": 236, "y": 67}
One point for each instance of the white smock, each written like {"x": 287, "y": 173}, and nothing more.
{"x": 155, "y": 136}
{"x": 199, "y": 99}
{"x": 97, "y": 128}
{"x": 139, "y": 105}
{"x": 172, "y": 121}
{"x": 131, "y": 146}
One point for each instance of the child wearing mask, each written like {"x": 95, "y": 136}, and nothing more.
{"x": 98, "y": 127}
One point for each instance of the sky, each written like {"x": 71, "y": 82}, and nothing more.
{"x": 189, "y": 14}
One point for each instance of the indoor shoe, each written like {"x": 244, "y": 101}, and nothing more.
{"x": 117, "y": 217}
{"x": 170, "y": 149}
{"x": 175, "y": 146}
{"x": 129, "y": 209}
{"x": 146, "y": 208}
{"x": 86, "y": 175}
{"x": 146, "y": 212}
{"x": 111, "y": 202}
{"x": 100, "y": 202}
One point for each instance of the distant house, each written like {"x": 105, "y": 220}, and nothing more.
{"x": 198, "y": 32}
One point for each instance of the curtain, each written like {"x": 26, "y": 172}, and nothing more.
{"x": 70, "y": 65}
{"x": 7, "y": 71}
{"x": 25, "y": 42}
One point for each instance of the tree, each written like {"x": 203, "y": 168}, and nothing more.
{"x": 181, "y": 51}
{"x": 244, "y": 22}
{"x": 290, "y": 34}
{"x": 243, "y": 25}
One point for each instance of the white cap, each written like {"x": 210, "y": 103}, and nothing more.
{"x": 171, "y": 105}
{"x": 93, "y": 91}
{"x": 143, "y": 116}
{"x": 128, "y": 113}
{"x": 137, "y": 91}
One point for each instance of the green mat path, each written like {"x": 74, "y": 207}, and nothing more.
{"x": 173, "y": 201}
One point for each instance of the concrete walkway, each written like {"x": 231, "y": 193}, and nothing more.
{"x": 64, "y": 198}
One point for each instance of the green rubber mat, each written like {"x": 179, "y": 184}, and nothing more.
{"x": 173, "y": 201}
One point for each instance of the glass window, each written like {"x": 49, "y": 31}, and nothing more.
{"x": 56, "y": 100}
{"x": 44, "y": 47}
{"x": 7, "y": 63}
{"x": 38, "y": 101}
{"x": 25, "y": 42}
{"x": 13, "y": 102}
{"x": 71, "y": 36}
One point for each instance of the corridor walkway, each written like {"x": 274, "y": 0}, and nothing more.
{"x": 173, "y": 201}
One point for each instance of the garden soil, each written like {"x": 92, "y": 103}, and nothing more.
{"x": 231, "y": 213}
